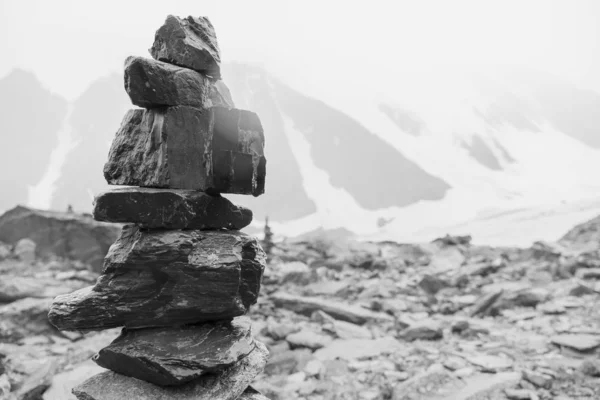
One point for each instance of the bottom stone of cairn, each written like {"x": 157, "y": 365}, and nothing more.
{"x": 229, "y": 384}
{"x": 174, "y": 356}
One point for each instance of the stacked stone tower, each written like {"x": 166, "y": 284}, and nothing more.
{"x": 181, "y": 276}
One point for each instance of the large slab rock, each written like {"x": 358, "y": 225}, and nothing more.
{"x": 173, "y": 356}
{"x": 68, "y": 235}
{"x": 219, "y": 150}
{"x": 344, "y": 312}
{"x": 228, "y": 384}
{"x": 188, "y": 42}
{"x": 150, "y": 83}
{"x": 155, "y": 278}
{"x": 170, "y": 209}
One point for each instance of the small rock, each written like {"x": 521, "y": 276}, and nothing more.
{"x": 491, "y": 363}
{"x": 432, "y": 284}
{"x": 279, "y": 331}
{"x": 591, "y": 368}
{"x": 309, "y": 339}
{"x": 588, "y": 273}
{"x": 314, "y": 368}
{"x": 296, "y": 272}
{"x": 551, "y": 308}
{"x": 356, "y": 349}
{"x": 518, "y": 394}
{"x": 345, "y": 312}
{"x": 288, "y": 362}
{"x": 580, "y": 289}
{"x": 485, "y": 302}
{"x": 25, "y": 250}
{"x": 427, "y": 330}
{"x": 188, "y": 42}
{"x": 538, "y": 379}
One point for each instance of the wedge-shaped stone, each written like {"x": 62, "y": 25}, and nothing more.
{"x": 228, "y": 384}
{"x": 150, "y": 83}
{"x": 170, "y": 209}
{"x": 219, "y": 150}
{"x": 155, "y": 278}
{"x": 188, "y": 42}
{"x": 173, "y": 356}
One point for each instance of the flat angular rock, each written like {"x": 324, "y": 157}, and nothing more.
{"x": 309, "y": 339}
{"x": 307, "y": 305}
{"x": 170, "y": 209}
{"x": 579, "y": 342}
{"x": 219, "y": 150}
{"x": 188, "y": 42}
{"x": 228, "y": 384}
{"x": 173, "y": 356}
{"x": 155, "y": 278}
{"x": 355, "y": 349}
{"x": 150, "y": 83}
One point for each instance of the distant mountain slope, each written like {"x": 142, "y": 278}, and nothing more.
{"x": 423, "y": 156}
{"x": 31, "y": 118}
{"x": 95, "y": 118}
{"x": 355, "y": 160}
{"x": 285, "y": 197}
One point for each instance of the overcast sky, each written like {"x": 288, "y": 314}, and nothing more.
{"x": 309, "y": 44}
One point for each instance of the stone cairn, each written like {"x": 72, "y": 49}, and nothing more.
{"x": 181, "y": 276}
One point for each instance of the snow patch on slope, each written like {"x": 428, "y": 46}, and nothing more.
{"x": 543, "y": 175}
{"x": 40, "y": 195}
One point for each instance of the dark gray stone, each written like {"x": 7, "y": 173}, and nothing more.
{"x": 170, "y": 209}
{"x": 173, "y": 356}
{"x": 228, "y": 384}
{"x": 219, "y": 150}
{"x": 188, "y": 42}
{"x": 150, "y": 83}
{"x": 156, "y": 278}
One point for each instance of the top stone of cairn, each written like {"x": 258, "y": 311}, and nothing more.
{"x": 188, "y": 42}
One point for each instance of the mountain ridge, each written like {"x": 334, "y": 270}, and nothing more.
{"x": 378, "y": 163}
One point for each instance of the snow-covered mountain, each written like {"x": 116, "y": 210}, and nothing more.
{"x": 430, "y": 153}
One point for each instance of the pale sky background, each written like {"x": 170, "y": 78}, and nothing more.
{"x": 312, "y": 45}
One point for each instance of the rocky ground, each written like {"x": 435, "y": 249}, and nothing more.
{"x": 349, "y": 320}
